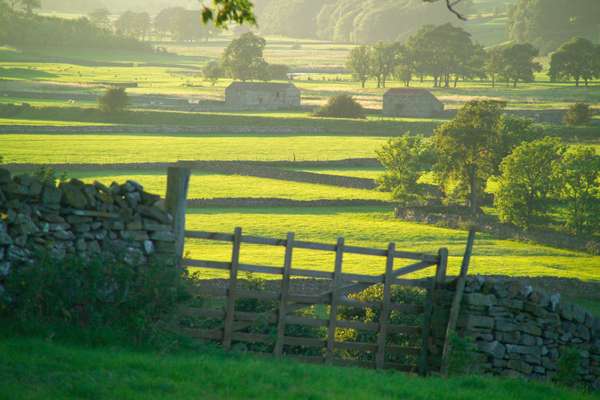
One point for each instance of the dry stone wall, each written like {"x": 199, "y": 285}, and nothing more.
{"x": 74, "y": 218}
{"x": 519, "y": 331}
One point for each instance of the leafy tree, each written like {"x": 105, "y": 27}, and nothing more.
{"x": 529, "y": 177}
{"x": 512, "y": 132}
{"x": 278, "y": 72}
{"x": 114, "y": 100}
{"x": 213, "y": 71}
{"x": 466, "y": 147}
{"x": 405, "y": 67}
{"x": 383, "y": 62}
{"x": 133, "y": 24}
{"x": 405, "y": 160}
{"x": 493, "y": 64}
{"x": 100, "y": 18}
{"x": 359, "y": 62}
{"x": 518, "y": 63}
{"x": 576, "y": 59}
{"x": 341, "y": 106}
{"x": 444, "y": 52}
{"x": 243, "y": 58}
{"x": 578, "y": 114}
{"x": 580, "y": 184}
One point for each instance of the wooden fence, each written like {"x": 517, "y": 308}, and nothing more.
{"x": 388, "y": 341}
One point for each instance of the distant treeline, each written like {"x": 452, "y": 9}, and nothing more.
{"x": 350, "y": 20}
{"x": 27, "y": 29}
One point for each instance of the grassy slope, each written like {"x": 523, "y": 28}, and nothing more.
{"x": 41, "y": 369}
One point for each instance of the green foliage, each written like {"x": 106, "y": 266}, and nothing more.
{"x": 341, "y": 106}
{"x": 132, "y": 24}
{"x": 462, "y": 355}
{"x": 213, "y": 71}
{"x": 99, "y": 292}
{"x": 383, "y": 62}
{"x": 518, "y": 64}
{"x": 180, "y": 24}
{"x": 466, "y": 148}
{"x": 578, "y": 114}
{"x": 406, "y": 159}
{"x": 113, "y": 101}
{"x": 243, "y": 58}
{"x": 48, "y": 175}
{"x": 529, "y": 177}
{"x": 576, "y": 59}
{"x": 569, "y": 363}
{"x": 580, "y": 183}
{"x": 446, "y": 53}
{"x": 100, "y": 17}
{"x": 548, "y": 23}
{"x": 359, "y": 62}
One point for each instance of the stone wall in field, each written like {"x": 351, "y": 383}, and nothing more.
{"x": 519, "y": 331}
{"x": 73, "y": 218}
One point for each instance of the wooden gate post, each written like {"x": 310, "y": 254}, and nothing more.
{"x": 285, "y": 291}
{"x": 178, "y": 180}
{"x": 436, "y": 283}
{"x": 384, "y": 317}
{"x": 231, "y": 291}
{"x": 335, "y": 296}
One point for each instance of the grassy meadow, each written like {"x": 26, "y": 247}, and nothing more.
{"x": 62, "y": 371}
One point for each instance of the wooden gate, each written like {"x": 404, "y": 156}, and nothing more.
{"x": 381, "y": 321}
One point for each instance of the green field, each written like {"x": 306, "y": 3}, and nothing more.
{"x": 375, "y": 227}
{"x": 207, "y": 186}
{"x": 40, "y": 368}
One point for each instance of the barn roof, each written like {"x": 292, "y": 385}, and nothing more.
{"x": 261, "y": 86}
{"x": 408, "y": 92}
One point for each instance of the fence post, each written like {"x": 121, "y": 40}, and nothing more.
{"x": 385, "y": 310}
{"x": 178, "y": 179}
{"x": 440, "y": 277}
{"x": 231, "y": 292}
{"x": 456, "y": 303}
{"x": 285, "y": 288}
{"x": 337, "y": 278}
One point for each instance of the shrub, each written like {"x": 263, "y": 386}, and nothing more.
{"x": 341, "y": 106}
{"x": 93, "y": 293}
{"x": 114, "y": 100}
{"x": 578, "y": 114}
{"x": 213, "y": 71}
{"x": 568, "y": 366}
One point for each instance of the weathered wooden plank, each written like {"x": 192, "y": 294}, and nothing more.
{"x": 358, "y": 303}
{"x": 384, "y": 316}
{"x": 405, "y": 350}
{"x": 312, "y": 273}
{"x": 420, "y": 283}
{"x": 407, "y": 308}
{"x": 261, "y": 269}
{"x": 256, "y": 294}
{"x": 305, "y": 321}
{"x": 337, "y": 276}
{"x": 231, "y": 294}
{"x": 303, "y": 341}
{"x": 365, "y": 251}
{"x": 252, "y": 337}
{"x": 360, "y": 346}
{"x": 308, "y": 299}
{"x": 358, "y": 325}
{"x": 251, "y": 316}
{"x": 285, "y": 291}
{"x": 178, "y": 180}
{"x": 314, "y": 246}
{"x": 411, "y": 268}
{"x": 404, "y": 329}
{"x": 263, "y": 240}
{"x": 456, "y": 302}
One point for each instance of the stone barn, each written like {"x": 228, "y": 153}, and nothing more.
{"x": 407, "y": 102}
{"x": 262, "y": 96}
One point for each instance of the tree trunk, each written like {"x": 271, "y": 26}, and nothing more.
{"x": 362, "y": 83}
{"x": 515, "y": 83}
{"x": 577, "y": 82}
{"x": 455, "y": 81}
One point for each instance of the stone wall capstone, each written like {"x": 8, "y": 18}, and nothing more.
{"x": 74, "y": 218}
{"x": 520, "y": 331}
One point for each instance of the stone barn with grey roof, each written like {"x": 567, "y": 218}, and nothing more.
{"x": 408, "y": 102}
{"x": 262, "y": 96}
